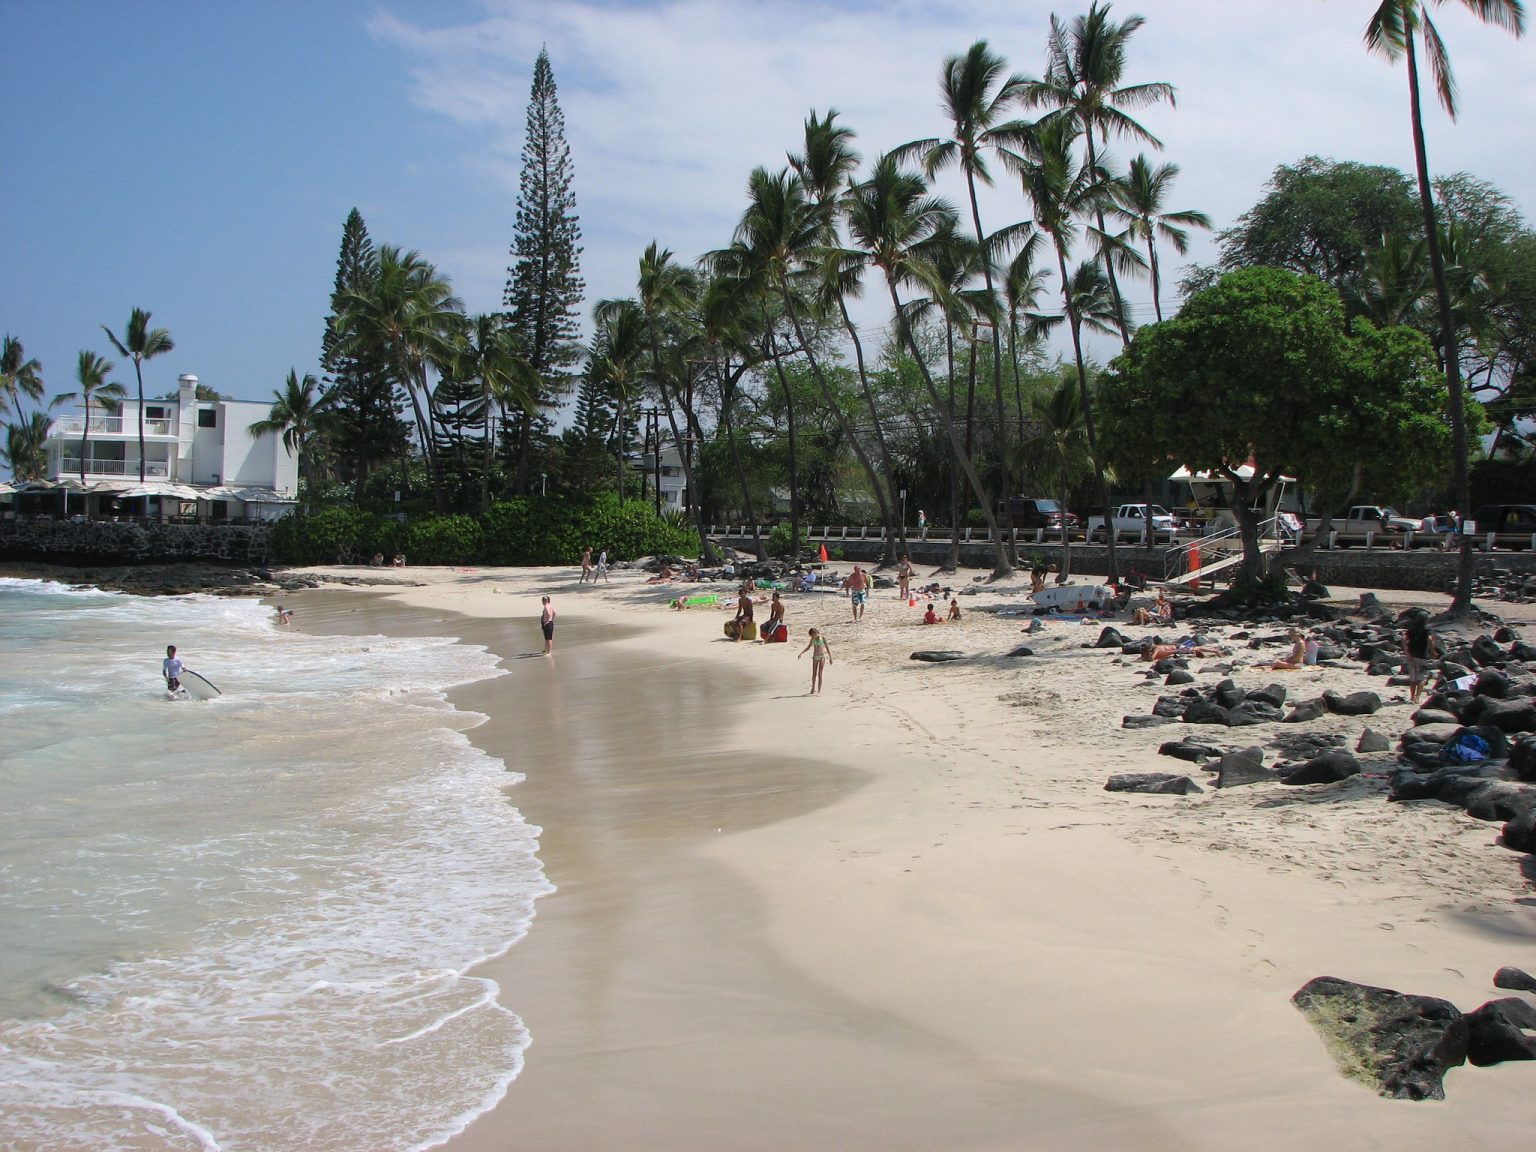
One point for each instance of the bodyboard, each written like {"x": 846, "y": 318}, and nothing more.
{"x": 198, "y": 686}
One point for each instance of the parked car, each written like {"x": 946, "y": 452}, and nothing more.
{"x": 1030, "y": 513}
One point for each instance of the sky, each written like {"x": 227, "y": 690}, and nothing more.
{"x": 199, "y": 159}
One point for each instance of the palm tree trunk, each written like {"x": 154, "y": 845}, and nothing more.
{"x": 895, "y": 527}
{"x": 1001, "y": 567}
{"x": 1461, "y": 602}
{"x": 1082, "y": 392}
{"x": 138, "y": 371}
{"x": 706, "y": 549}
{"x": 997, "y": 358}
{"x": 1109, "y": 263}
{"x": 789, "y": 422}
{"x": 955, "y": 514}
{"x": 85, "y": 436}
{"x": 727, "y": 396}
{"x": 1157, "y": 303}
{"x": 618, "y": 456}
{"x": 842, "y": 417}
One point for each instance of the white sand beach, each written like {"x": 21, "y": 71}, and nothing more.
{"x": 905, "y": 914}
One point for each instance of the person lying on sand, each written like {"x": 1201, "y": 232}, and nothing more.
{"x": 1152, "y": 652}
{"x": 665, "y": 576}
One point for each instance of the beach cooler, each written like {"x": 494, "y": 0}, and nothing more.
{"x": 748, "y": 630}
{"x": 779, "y": 635}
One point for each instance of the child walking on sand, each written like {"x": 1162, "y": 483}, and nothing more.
{"x": 821, "y": 655}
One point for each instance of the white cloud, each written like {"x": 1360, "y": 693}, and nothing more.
{"x": 668, "y": 106}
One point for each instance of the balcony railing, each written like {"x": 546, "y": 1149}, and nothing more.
{"x": 112, "y": 426}
{"x": 70, "y": 466}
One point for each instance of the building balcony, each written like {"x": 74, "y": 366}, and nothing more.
{"x": 74, "y": 426}
{"x": 70, "y": 466}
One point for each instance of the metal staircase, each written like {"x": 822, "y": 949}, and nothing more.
{"x": 1218, "y": 552}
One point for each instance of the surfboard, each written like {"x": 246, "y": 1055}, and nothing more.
{"x": 198, "y": 686}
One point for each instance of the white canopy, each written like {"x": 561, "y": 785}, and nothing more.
{"x": 175, "y": 491}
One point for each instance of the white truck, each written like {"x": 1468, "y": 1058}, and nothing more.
{"x": 1383, "y": 524}
{"x": 1131, "y": 523}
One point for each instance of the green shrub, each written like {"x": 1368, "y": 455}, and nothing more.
{"x": 781, "y": 542}
{"x": 444, "y": 540}
{"x": 525, "y": 531}
{"x": 329, "y": 536}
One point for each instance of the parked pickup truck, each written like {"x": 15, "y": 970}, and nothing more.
{"x": 1372, "y": 519}
{"x": 1130, "y": 522}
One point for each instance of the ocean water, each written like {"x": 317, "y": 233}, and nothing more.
{"x": 246, "y": 923}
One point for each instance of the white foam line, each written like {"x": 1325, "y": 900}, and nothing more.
{"x": 487, "y": 996}
{"x": 464, "y": 1119}
{"x": 204, "y": 1138}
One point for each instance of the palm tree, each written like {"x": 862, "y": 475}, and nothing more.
{"x": 825, "y": 168}
{"x": 1061, "y": 446}
{"x": 889, "y": 216}
{"x": 1394, "y": 283}
{"x": 1140, "y": 203}
{"x": 1061, "y": 188}
{"x": 954, "y": 259}
{"x": 488, "y": 353}
{"x": 19, "y": 376}
{"x": 1085, "y": 63}
{"x": 975, "y": 93}
{"x": 615, "y": 367}
{"x": 92, "y": 372}
{"x": 24, "y": 450}
{"x": 140, "y": 342}
{"x": 297, "y": 415}
{"x": 783, "y": 233}
{"x": 409, "y": 317}
{"x": 1393, "y": 31}
{"x": 667, "y": 297}
{"x": 1022, "y": 285}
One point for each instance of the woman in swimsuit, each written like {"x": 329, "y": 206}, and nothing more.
{"x": 821, "y": 655}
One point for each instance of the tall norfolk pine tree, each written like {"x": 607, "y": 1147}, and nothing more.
{"x": 368, "y": 430}
{"x": 544, "y": 287}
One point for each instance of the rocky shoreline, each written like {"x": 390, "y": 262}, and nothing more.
{"x": 184, "y": 579}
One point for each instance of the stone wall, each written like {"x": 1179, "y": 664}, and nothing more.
{"x": 1423, "y": 569}
{"x": 96, "y": 542}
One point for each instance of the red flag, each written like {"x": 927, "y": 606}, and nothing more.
{"x": 823, "y": 553}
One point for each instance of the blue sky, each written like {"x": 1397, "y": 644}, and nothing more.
{"x": 198, "y": 159}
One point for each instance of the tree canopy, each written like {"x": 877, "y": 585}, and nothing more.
{"x": 1263, "y": 369}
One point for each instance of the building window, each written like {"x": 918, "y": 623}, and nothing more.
{"x": 153, "y": 412}
{"x": 207, "y": 418}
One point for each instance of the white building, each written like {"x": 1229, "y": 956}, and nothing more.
{"x": 195, "y": 451}
{"x": 670, "y": 483}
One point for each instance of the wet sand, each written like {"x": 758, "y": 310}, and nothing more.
{"x": 904, "y": 915}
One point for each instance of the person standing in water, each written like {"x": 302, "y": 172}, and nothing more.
{"x": 547, "y": 623}
{"x": 821, "y": 656}
{"x": 171, "y": 669}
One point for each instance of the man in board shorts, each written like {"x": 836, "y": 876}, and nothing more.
{"x": 858, "y": 591}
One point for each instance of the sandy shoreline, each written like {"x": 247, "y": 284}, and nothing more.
{"x": 906, "y": 915}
